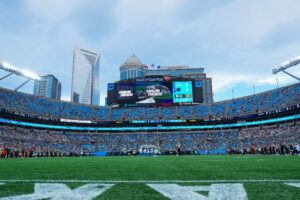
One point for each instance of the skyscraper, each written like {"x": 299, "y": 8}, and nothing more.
{"x": 85, "y": 77}
{"x": 132, "y": 68}
{"x": 48, "y": 86}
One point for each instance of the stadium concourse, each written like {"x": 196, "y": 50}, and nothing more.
{"x": 271, "y": 138}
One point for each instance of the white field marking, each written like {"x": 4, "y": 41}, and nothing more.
{"x": 293, "y": 184}
{"x": 149, "y": 181}
{"x": 233, "y": 191}
{"x": 62, "y": 192}
{"x": 2, "y": 183}
{"x": 176, "y": 192}
{"x": 227, "y": 191}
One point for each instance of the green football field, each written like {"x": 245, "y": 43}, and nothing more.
{"x": 205, "y": 177}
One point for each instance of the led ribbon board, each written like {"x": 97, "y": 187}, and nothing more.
{"x": 149, "y": 128}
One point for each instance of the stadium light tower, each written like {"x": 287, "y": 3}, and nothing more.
{"x": 287, "y": 64}
{"x": 20, "y": 72}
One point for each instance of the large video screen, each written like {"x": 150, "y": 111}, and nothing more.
{"x": 154, "y": 90}
{"x": 145, "y": 92}
{"x": 126, "y": 91}
{"x": 182, "y": 92}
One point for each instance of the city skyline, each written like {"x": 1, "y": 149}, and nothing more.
{"x": 237, "y": 52}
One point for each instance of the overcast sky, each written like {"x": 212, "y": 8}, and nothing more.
{"x": 237, "y": 42}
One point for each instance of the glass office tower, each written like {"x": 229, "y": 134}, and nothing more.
{"x": 85, "y": 77}
{"x": 48, "y": 86}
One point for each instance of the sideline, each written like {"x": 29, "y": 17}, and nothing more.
{"x": 151, "y": 181}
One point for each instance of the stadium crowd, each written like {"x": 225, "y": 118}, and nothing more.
{"x": 272, "y": 139}
{"x": 29, "y": 142}
{"x": 29, "y": 105}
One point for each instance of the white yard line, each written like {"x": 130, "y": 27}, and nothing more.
{"x": 294, "y": 184}
{"x": 150, "y": 181}
{"x": 232, "y": 191}
{"x": 62, "y": 192}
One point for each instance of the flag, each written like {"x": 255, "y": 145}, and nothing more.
{"x": 158, "y": 66}
{"x": 152, "y": 65}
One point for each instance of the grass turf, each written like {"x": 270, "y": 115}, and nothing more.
{"x": 167, "y": 168}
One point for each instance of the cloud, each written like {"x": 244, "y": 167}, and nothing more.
{"x": 238, "y": 42}
{"x": 245, "y": 24}
{"x": 65, "y": 98}
{"x": 223, "y": 82}
{"x": 53, "y": 11}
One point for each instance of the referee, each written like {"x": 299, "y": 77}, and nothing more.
{"x": 178, "y": 150}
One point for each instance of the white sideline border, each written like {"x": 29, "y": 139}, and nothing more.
{"x": 150, "y": 181}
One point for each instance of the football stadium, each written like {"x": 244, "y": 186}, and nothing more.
{"x": 244, "y": 148}
{"x": 161, "y": 133}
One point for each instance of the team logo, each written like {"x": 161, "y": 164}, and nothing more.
{"x": 225, "y": 191}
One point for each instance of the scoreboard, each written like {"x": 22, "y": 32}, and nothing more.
{"x": 182, "y": 92}
{"x": 155, "y": 90}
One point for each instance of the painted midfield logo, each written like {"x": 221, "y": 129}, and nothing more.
{"x": 58, "y": 191}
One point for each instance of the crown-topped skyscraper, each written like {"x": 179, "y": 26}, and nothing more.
{"x": 132, "y": 68}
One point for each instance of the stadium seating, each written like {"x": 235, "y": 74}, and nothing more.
{"x": 265, "y": 140}
{"x": 46, "y": 108}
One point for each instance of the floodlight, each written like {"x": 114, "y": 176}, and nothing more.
{"x": 30, "y": 74}
{"x": 287, "y": 64}
{"x": 21, "y": 72}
